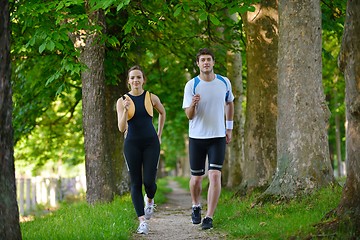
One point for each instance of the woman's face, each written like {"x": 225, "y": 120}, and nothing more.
{"x": 136, "y": 79}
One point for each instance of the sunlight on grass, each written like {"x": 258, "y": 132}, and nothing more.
{"x": 235, "y": 217}
{"x": 115, "y": 220}
{"x": 274, "y": 221}
{"x": 82, "y": 221}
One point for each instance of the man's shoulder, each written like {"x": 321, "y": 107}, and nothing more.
{"x": 190, "y": 82}
{"x": 222, "y": 77}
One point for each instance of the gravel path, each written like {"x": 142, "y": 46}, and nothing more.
{"x": 172, "y": 221}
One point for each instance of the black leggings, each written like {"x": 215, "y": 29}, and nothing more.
{"x": 142, "y": 159}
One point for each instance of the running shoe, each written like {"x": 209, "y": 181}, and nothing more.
{"x": 196, "y": 215}
{"x": 149, "y": 208}
{"x": 143, "y": 228}
{"x": 207, "y": 223}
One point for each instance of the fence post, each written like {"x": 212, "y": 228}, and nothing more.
{"x": 33, "y": 193}
{"x": 21, "y": 196}
{"x": 52, "y": 193}
{"x": 28, "y": 196}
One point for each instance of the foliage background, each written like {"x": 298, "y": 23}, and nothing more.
{"x": 163, "y": 37}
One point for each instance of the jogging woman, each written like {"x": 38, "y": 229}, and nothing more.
{"x": 142, "y": 142}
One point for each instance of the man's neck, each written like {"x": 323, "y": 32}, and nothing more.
{"x": 207, "y": 76}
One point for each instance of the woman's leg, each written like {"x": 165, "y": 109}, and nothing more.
{"x": 151, "y": 162}
{"x": 133, "y": 157}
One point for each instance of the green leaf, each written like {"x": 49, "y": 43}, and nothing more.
{"x": 214, "y": 20}
{"x": 60, "y": 89}
{"x": 50, "y": 79}
{"x": 50, "y": 45}
{"x": 177, "y": 11}
{"x": 186, "y": 7}
{"x": 122, "y": 4}
{"x": 203, "y": 15}
{"x": 251, "y": 9}
{"x": 128, "y": 27}
{"x": 42, "y": 47}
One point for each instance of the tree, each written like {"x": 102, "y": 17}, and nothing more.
{"x": 98, "y": 165}
{"x": 235, "y": 149}
{"x": 348, "y": 210}
{"x": 303, "y": 163}
{"x": 261, "y": 98}
{"x": 9, "y": 213}
{"x": 232, "y": 172}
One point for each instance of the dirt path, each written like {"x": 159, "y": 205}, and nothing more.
{"x": 172, "y": 220}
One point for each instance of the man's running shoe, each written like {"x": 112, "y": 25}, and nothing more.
{"x": 196, "y": 215}
{"x": 149, "y": 208}
{"x": 207, "y": 223}
{"x": 143, "y": 228}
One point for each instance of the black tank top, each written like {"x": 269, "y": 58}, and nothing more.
{"x": 140, "y": 126}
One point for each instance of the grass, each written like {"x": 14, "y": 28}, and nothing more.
{"x": 115, "y": 220}
{"x": 234, "y": 217}
{"x": 239, "y": 219}
{"x": 275, "y": 221}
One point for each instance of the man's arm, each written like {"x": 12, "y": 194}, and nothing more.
{"x": 229, "y": 113}
{"x": 191, "y": 110}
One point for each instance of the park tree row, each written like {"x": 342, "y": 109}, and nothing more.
{"x": 285, "y": 101}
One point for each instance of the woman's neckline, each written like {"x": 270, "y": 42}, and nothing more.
{"x": 136, "y": 94}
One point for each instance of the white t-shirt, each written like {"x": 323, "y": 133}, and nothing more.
{"x": 209, "y": 119}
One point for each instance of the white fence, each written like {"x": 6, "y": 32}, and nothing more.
{"x": 46, "y": 191}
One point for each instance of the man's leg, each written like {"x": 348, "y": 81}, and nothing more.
{"x": 213, "y": 191}
{"x": 195, "y": 189}
{"x": 197, "y": 157}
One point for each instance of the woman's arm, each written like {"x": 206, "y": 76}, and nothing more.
{"x": 122, "y": 106}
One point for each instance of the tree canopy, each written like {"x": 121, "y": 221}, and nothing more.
{"x": 161, "y": 36}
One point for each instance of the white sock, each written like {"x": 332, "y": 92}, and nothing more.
{"x": 147, "y": 202}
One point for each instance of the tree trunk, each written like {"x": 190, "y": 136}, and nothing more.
{"x": 261, "y": 28}
{"x": 115, "y": 140}
{"x": 98, "y": 164}
{"x": 235, "y": 148}
{"x": 303, "y": 162}
{"x": 349, "y": 61}
{"x": 9, "y": 213}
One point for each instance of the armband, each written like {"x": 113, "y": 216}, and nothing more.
{"x": 229, "y": 124}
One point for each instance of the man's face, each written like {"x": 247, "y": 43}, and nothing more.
{"x": 206, "y": 64}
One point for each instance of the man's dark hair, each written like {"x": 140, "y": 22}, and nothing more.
{"x": 204, "y": 51}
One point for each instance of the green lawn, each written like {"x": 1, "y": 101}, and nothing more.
{"x": 235, "y": 217}
{"x": 116, "y": 220}
{"x": 240, "y": 219}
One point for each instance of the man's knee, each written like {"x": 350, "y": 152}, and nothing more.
{"x": 214, "y": 175}
{"x": 196, "y": 180}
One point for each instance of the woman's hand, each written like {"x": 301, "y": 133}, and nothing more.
{"x": 126, "y": 103}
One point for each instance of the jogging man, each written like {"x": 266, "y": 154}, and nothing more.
{"x": 208, "y": 104}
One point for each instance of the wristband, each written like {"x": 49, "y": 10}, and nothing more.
{"x": 229, "y": 124}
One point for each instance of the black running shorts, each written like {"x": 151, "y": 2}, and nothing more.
{"x": 212, "y": 148}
